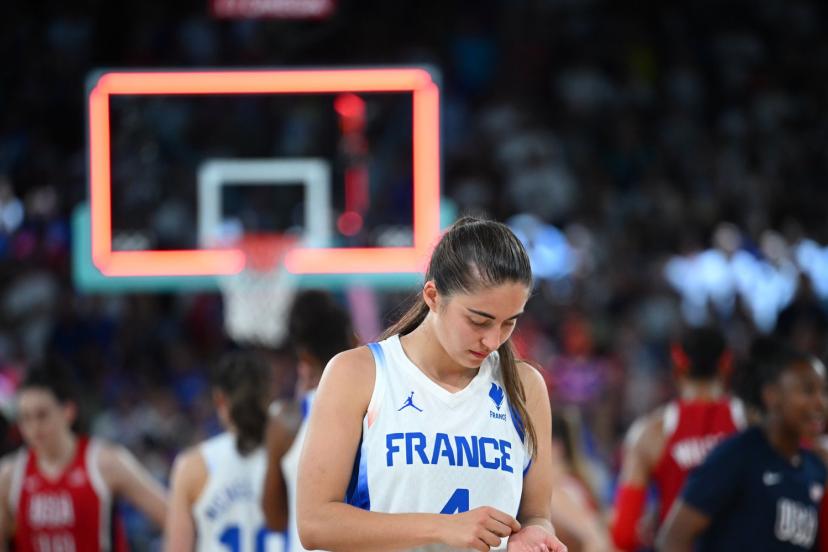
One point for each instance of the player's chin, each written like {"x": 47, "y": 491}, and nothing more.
{"x": 813, "y": 427}
{"x": 37, "y": 443}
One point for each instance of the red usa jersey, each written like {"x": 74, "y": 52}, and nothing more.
{"x": 691, "y": 430}
{"x": 72, "y": 512}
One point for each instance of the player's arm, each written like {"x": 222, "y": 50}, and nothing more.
{"x": 572, "y": 520}
{"x": 128, "y": 479}
{"x": 639, "y": 458}
{"x": 274, "y": 496}
{"x": 6, "y": 514}
{"x": 325, "y": 521}
{"x": 681, "y": 528}
{"x": 188, "y": 476}
{"x": 535, "y": 510}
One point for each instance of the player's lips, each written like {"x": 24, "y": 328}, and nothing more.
{"x": 478, "y": 355}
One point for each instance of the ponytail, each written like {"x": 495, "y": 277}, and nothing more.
{"x": 249, "y": 418}
{"x": 517, "y": 395}
{"x": 412, "y": 318}
{"x": 244, "y": 379}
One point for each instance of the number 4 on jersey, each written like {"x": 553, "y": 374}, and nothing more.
{"x": 458, "y": 503}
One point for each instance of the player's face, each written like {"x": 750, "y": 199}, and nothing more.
{"x": 43, "y": 420}
{"x": 472, "y": 325}
{"x": 803, "y": 394}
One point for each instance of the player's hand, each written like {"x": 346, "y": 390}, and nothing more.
{"x": 478, "y": 529}
{"x": 534, "y": 538}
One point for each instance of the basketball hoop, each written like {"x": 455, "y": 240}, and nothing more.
{"x": 256, "y": 300}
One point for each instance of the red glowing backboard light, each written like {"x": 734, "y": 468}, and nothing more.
{"x": 197, "y": 262}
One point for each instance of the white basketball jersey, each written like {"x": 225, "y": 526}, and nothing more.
{"x": 290, "y": 472}
{"x": 228, "y": 513}
{"x": 425, "y": 449}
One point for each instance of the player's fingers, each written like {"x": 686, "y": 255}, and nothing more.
{"x": 489, "y": 538}
{"x": 498, "y": 528}
{"x": 481, "y": 546}
{"x": 505, "y": 519}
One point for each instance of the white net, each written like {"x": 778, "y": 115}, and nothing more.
{"x": 257, "y": 300}
{"x": 256, "y": 305}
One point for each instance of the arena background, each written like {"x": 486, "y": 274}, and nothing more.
{"x": 665, "y": 162}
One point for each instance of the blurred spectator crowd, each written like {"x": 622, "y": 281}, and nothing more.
{"x": 665, "y": 163}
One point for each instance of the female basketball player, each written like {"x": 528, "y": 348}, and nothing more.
{"x": 576, "y": 509}
{"x": 318, "y": 328}
{"x": 57, "y": 493}
{"x": 217, "y": 486}
{"x": 665, "y": 445}
{"x": 760, "y": 490}
{"x": 432, "y": 433}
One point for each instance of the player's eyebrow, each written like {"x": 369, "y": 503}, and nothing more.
{"x": 491, "y": 316}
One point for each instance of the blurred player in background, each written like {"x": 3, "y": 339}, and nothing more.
{"x": 664, "y": 446}
{"x": 318, "y": 329}
{"x": 438, "y": 418}
{"x": 576, "y": 509}
{"x": 58, "y": 492}
{"x": 760, "y": 489}
{"x": 217, "y": 486}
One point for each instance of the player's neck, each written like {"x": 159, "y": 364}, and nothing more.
{"x": 423, "y": 348}
{"x": 786, "y": 443}
{"x": 53, "y": 460}
{"x": 700, "y": 390}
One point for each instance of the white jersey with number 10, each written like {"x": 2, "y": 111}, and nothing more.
{"x": 228, "y": 513}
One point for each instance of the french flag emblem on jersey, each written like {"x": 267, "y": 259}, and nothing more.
{"x": 496, "y": 393}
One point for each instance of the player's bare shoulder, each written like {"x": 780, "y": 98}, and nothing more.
{"x": 533, "y": 383}
{"x": 646, "y": 435}
{"x": 352, "y": 372}
{"x": 189, "y": 473}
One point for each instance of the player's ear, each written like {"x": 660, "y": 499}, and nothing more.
{"x": 769, "y": 395}
{"x": 681, "y": 362}
{"x": 430, "y": 295}
{"x": 219, "y": 398}
{"x": 308, "y": 359}
{"x": 70, "y": 412}
{"x": 726, "y": 365}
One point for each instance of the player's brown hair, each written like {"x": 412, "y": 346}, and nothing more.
{"x": 320, "y": 326}
{"x": 244, "y": 379}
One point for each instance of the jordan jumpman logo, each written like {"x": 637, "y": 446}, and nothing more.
{"x": 410, "y": 402}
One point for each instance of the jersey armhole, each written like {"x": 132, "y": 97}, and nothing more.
{"x": 737, "y": 413}
{"x": 92, "y": 458}
{"x": 670, "y": 420}
{"x": 93, "y": 452}
{"x": 375, "y": 404}
{"x": 517, "y": 423}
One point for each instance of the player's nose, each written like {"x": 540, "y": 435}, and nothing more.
{"x": 491, "y": 339}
